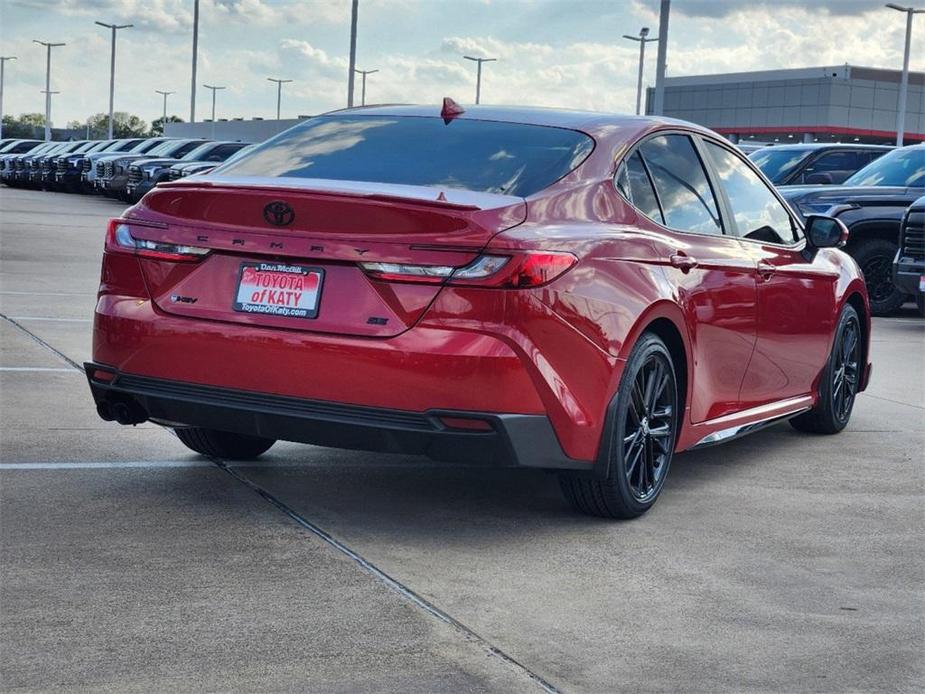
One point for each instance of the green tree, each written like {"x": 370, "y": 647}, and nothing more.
{"x": 123, "y": 125}
{"x": 157, "y": 125}
{"x": 23, "y": 125}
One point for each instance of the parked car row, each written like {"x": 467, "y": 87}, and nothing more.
{"x": 868, "y": 187}
{"x": 124, "y": 168}
{"x": 872, "y": 203}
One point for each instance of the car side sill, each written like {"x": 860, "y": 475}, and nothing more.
{"x": 743, "y": 429}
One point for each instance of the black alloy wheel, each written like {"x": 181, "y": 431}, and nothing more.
{"x": 648, "y": 429}
{"x": 845, "y": 376}
{"x": 639, "y": 439}
{"x": 878, "y": 277}
{"x": 875, "y": 258}
{"x": 838, "y": 387}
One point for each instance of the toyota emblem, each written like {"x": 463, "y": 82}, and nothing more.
{"x": 278, "y": 213}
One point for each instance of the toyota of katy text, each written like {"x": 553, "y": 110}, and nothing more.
{"x": 581, "y": 292}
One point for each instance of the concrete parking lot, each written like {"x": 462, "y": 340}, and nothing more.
{"x": 780, "y": 562}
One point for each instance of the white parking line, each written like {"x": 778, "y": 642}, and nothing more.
{"x": 108, "y": 466}
{"x": 56, "y": 320}
{"x": 145, "y": 464}
{"x": 27, "y": 369}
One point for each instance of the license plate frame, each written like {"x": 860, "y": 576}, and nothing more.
{"x": 297, "y": 272}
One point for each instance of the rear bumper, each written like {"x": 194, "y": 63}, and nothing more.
{"x": 513, "y": 440}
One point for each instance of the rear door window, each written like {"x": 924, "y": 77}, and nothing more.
{"x": 687, "y": 201}
{"x": 635, "y": 185}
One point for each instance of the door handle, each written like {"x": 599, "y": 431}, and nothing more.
{"x": 682, "y": 261}
{"x": 766, "y": 270}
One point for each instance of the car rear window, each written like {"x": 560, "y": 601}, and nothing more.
{"x": 484, "y": 156}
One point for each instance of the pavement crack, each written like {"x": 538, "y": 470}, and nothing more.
{"x": 390, "y": 582}
{"x": 42, "y": 342}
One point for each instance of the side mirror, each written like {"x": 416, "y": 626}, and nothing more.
{"x": 825, "y": 232}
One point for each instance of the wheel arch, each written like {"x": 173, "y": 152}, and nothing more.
{"x": 856, "y": 300}
{"x": 884, "y": 229}
{"x": 665, "y": 320}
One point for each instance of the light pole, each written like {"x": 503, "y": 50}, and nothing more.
{"x": 48, "y": 91}
{"x": 214, "y": 89}
{"x": 904, "y": 83}
{"x": 363, "y": 88}
{"x": 279, "y": 92}
{"x": 478, "y": 78}
{"x": 192, "y": 98}
{"x": 164, "y": 117}
{"x": 663, "y": 14}
{"x": 112, "y": 67}
{"x": 351, "y": 69}
{"x": 643, "y": 33}
{"x": 3, "y": 60}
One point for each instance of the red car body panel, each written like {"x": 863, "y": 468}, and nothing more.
{"x": 754, "y": 344}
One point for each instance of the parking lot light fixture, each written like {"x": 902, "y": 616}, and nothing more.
{"x": 904, "y": 82}
{"x": 363, "y": 88}
{"x": 279, "y": 93}
{"x": 351, "y": 68}
{"x": 661, "y": 59}
{"x": 112, "y": 66}
{"x": 643, "y": 33}
{"x": 165, "y": 95}
{"x": 47, "y": 92}
{"x": 3, "y": 59}
{"x": 478, "y": 77}
{"x": 192, "y": 98}
{"x": 214, "y": 89}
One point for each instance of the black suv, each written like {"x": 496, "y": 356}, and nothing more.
{"x": 872, "y": 204}
{"x": 909, "y": 264}
{"x": 814, "y": 163}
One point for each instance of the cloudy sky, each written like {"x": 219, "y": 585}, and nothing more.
{"x": 550, "y": 52}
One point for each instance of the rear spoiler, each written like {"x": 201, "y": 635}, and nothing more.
{"x": 442, "y": 198}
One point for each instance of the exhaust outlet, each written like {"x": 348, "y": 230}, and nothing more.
{"x": 128, "y": 413}
{"x": 105, "y": 411}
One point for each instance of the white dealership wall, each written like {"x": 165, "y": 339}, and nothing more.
{"x": 236, "y": 129}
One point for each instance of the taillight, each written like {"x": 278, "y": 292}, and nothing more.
{"x": 518, "y": 271}
{"x": 119, "y": 239}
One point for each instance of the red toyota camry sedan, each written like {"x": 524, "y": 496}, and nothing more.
{"x": 581, "y": 292}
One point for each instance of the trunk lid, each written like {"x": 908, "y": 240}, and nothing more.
{"x": 275, "y": 238}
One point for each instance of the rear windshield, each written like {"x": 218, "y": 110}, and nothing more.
{"x": 484, "y": 156}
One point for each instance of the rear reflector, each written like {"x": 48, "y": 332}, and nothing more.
{"x": 519, "y": 271}
{"x": 119, "y": 239}
{"x": 466, "y": 423}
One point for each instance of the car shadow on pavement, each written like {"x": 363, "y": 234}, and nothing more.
{"x": 414, "y": 498}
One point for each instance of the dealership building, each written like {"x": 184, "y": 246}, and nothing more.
{"x": 825, "y": 104}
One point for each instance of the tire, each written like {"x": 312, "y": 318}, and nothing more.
{"x": 875, "y": 258}
{"x": 838, "y": 387}
{"x": 223, "y": 444}
{"x": 920, "y": 304}
{"x": 638, "y": 457}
